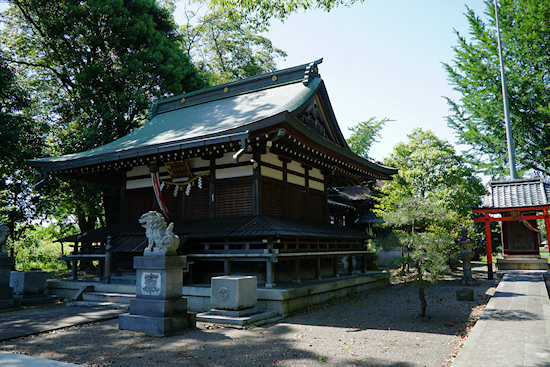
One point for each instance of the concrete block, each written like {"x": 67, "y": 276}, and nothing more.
{"x": 28, "y": 282}
{"x": 6, "y": 292}
{"x": 156, "y": 283}
{"x": 465, "y": 295}
{"x": 234, "y": 292}
{"x": 160, "y": 262}
{"x": 159, "y": 326}
{"x": 158, "y": 308}
{"x": 6, "y": 264}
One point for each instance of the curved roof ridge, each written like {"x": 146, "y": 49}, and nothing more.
{"x": 304, "y": 73}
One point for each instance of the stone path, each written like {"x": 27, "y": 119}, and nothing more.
{"x": 17, "y": 324}
{"x": 18, "y": 360}
{"x": 514, "y": 329}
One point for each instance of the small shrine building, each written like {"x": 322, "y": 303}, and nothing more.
{"x": 517, "y": 204}
{"x": 242, "y": 169}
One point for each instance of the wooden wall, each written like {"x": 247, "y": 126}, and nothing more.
{"x": 280, "y": 187}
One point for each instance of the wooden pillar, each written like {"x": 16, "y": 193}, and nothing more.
{"x": 318, "y": 268}
{"x": 227, "y": 266}
{"x": 212, "y": 189}
{"x": 547, "y": 224}
{"x": 74, "y": 269}
{"x": 335, "y": 266}
{"x": 285, "y": 188}
{"x": 350, "y": 265}
{"x": 256, "y": 187}
{"x": 308, "y": 192}
{"x": 364, "y": 264}
{"x": 296, "y": 270}
{"x": 488, "y": 247}
{"x": 269, "y": 274}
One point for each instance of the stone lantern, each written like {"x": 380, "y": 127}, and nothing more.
{"x": 466, "y": 255}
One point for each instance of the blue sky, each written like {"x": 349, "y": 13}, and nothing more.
{"x": 382, "y": 59}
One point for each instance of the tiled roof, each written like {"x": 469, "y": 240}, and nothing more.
{"x": 517, "y": 193}
{"x": 130, "y": 237}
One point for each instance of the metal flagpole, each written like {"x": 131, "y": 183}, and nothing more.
{"x": 509, "y": 136}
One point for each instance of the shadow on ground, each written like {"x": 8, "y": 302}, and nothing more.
{"x": 377, "y": 328}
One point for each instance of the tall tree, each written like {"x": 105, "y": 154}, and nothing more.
{"x": 428, "y": 202}
{"x": 265, "y": 9}
{"x": 365, "y": 134}
{"x": 226, "y": 45}
{"x": 95, "y": 66}
{"x": 430, "y": 168}
{"x": 478, "y": 114}
{"x": 21, "y": 139}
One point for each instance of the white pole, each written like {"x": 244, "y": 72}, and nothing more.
{"x": 509, "y": 136}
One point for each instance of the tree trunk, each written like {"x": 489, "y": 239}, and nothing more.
{"x": 422, "y": 295}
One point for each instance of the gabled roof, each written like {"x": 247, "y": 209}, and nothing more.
{"x": 517, "y": 194}
{"x": 230, "y": 113}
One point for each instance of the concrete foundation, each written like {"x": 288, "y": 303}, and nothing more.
{"x": 287, "y": 300}
{"x": 282, "y": 300}
{"x": 522, "y": 263}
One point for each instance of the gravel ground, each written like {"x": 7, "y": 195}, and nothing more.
{"x": 378, "y": 328}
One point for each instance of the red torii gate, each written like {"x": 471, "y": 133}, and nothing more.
{"x": 524, "y": 201}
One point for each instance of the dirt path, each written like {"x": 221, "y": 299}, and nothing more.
{"x": 379, "y": 328}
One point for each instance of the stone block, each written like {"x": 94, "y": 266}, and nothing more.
{"x": 6, "y": 292}
{"x": 465, "y": 294}
{"x": 232, "y": 292}
{"x": 159, "y": 284}
{"x": 6, "y": 264}
{"x": 155, "y": 282}
{"x": 28, "y": 282}
{"x": 157, "y": 307}
{"x": 160, "y": 262}
{"x": 159, "y": 326}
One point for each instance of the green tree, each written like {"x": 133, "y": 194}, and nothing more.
{"x": 227, "y": 45}
{"x": 428, "y": 202}
{"x": 477, "y": 116}
{"x": 21, "y": 139}
{"x": 430, "y": 168}
{"x": 422, "y": 228}
{"x": 281, "y": 9}
{"x": 365, "y": 134}
{"x": 94, "y": 68}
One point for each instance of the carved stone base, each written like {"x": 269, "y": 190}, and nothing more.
{"x": 159, "y": 308}
{"x": 7, "y": 300}
{"x": 158, "y": 326}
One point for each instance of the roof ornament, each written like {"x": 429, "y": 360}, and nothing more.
{"x": 311, "y": 71}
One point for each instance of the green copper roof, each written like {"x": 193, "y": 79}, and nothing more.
{"x": 227, "y": 112}
{"x": 222, "y": 110}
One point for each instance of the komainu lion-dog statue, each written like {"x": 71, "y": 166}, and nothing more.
{"x": 161, "y": 239}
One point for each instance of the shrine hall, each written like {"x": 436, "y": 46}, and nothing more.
{"x": 243, "y": 170}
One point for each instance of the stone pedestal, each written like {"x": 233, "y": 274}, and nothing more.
{"x": 159, "y": 308}
{"x": 234, "y": 293}
{"x": 233, "y": 299}
{"x": 30, "y": 287}
{"x": 7, "y": 300}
